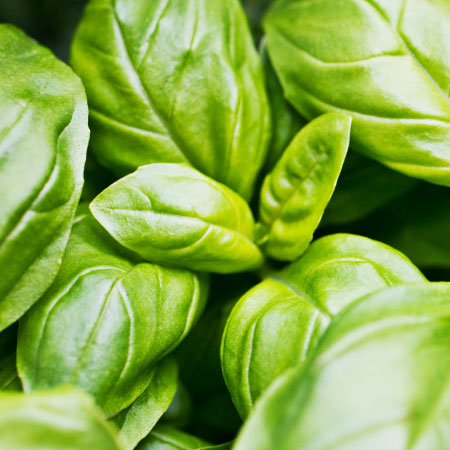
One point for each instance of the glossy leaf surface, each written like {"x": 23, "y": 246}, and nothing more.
{"x": 172, "y": 214}
{"x": 377, "y": 380}
{"x": 103, "y": 324}
{"x": 43, "y": 140}
{"x": 61, "y": 419}
{"x": 174, "y": 82}
{"x": 136, "y": 421}
{"x": 295, "y": 193}
{"x": 277, "y": 324}
{"x": 381, "y": 62}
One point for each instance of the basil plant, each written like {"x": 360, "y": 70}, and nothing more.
{"x": 260, "y": 259}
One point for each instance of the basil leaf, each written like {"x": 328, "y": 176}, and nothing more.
{"x": 102, "y": 325}
{"x": 294, "y": 195}
{"x": 174, "y": 82}
{"x": 375, "y": 381}
{"x": 378, "y": 61}
{"x": 63, "y": 418}
{"x": 136, "y": 421}
{"x": 172, "y": 214}
{"x": 43, "y": 140}
{"x": 277, "y": 324}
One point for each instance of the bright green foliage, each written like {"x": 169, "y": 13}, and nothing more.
{"x": 232, "y": 161}
{"x": 61, "y": 419}
{"x": 174, "y": 82}
{"x": 136, "y": 421}
{"x": 277, "y": 324}
{"x": 43, "y": 140}
{"x": 386, "y": 63}
{"x": 378, "y": 380}
{"x": 103, "y": 324}
{"x": 172, "y": 214}
{"x": 295, "y": 193}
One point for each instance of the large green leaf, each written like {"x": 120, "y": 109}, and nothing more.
{"x": 378, "y": 380}
{"x": 172, "y": 214}
{"x": 61, "y": 419}
{"x": 387, "y": 63}
{"x": 295, "y": 193}
{"x": 43, "y": 140}
{"x": 174, "y": 82}
{"x": 103, "y": 324}
{"x": 277, "y": 324}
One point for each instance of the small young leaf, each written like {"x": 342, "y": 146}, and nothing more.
{"x": 294, "y": 195}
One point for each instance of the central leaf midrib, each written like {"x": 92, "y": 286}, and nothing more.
{"x": 165, "y": 214}
{"x": 296, "y": 185}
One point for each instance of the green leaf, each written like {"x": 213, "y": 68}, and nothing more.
{"x": 61, "y": 419}
{"x": 172, "y": 214}
{"x": 277, "y": 324}
{"x": 103, "y": 326}
{"x": 174, "y": 82}
{"x": 141, "y": 416}
{"x": 378, "y": 61}
{"x": 378, "y": 380}
{"x": 294, "y": 195}
{"x": 43, "y": 140}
